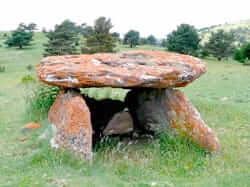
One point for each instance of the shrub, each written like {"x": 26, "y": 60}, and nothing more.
{"x": 2, "y": 69}
{"x": 243, "y": 53}
{"x": 246, "y": 51}
{"x": 239, "y": 56}
{"x": 28, "y": 79}
{"x": 29, "y": 67}
{"x": 39, "y": 101}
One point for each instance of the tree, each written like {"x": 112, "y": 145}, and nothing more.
{"x": 116, "y": 35}
{"x": 22, "y": 36}
{"x": 132, "y": 38}
{"x": 100, "y": 39}
{"x": 62, "y": 40}
{"x": 143, "y": 41}
{"x": 151, "y": 40}
{"x": 164, "y": 43}
{"x": 184, "y": 40}
{"x": 220, "y": 44}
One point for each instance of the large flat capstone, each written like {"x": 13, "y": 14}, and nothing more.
{"x": 130, "y": 69}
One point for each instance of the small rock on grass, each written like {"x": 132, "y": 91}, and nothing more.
{"x": 31, "y": 126}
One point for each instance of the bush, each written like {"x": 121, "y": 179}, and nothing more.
{"x": 2, "y": 69}
{"x": 243, "y": 53}
{"x": 28, "y": 79}
{"x": 239, "y": 56}
{"x": 246, "y": 51}
{"x": 39, "y": 101}
{"x": 29, "y": 67}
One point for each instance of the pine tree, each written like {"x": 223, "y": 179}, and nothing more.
{"x": 100, "y": 39}
{"x": 63, "y": 40}
{"x": 151, "y": 40}
{"x": 184, "y": 40}
{"x": 220, "y": 44}
{"x": 22, "y": 36}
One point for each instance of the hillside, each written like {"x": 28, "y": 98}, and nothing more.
{"x": 240, "y": 28}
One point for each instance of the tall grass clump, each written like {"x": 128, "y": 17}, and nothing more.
{"x": 181, "y": 154}
{"x": 39, "y": 101}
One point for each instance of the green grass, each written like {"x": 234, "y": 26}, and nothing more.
{"x": 222, "y": 96}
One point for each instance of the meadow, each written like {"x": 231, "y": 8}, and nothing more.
{"x": 222, "y": 96}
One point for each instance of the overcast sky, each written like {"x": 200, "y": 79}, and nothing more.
{"x": 158, "y": 17}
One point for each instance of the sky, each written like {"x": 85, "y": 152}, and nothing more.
{"x": 158, "y": 17}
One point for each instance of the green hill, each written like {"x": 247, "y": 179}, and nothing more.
{"x": 240, "y": 28}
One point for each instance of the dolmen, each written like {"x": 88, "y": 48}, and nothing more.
{"x": 153, "y": 104}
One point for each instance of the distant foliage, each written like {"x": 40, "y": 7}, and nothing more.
{"x": 243, "y": 53}
{"x": 239, "y": 56}
{"x": 203, "y": 52}
{"x": 2, "y": 69}
{"x": 246, "y": 51}
{"x": 143, "y": 41}
{"x": 132, "y": 38}
{"x": 241, "y": 32}
{"x": 117, "y": 36}
{"x": 99, "y": 38}
{"x": 221, "y": 44}
{"x": 151, "y": 40}
{"x": 22, "y": 36}
{"x": 29, "y": 67}
{"x": 62, "y": 40}
{"x": 184, "y": 40}
{"x": 163, "y": 43}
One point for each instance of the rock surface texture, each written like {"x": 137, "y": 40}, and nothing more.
{"x": 153, "y": 103}
{"x": 121, "y": 123}
{"x": 162, "y": 109}
{"x": 71, "y": 116}
{"x": 124, "y": 70}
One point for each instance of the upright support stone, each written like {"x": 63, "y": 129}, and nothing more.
{"x": 158, "y": 109}
{"x": 71, "y": 116}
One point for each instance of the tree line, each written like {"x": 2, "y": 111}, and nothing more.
{"x": 68, "y": 38}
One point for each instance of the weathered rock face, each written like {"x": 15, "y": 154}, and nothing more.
{"x": 126, "y": 70}
{"x": 156, "y": 110}
{"x": 121, "y": 123}
{"x": 71, "y": 116}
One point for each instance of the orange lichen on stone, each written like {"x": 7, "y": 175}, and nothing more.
{"x": 184, "y": 117}
{"x": 140, "y": 68}
{"x": 71, "y": 116}
{"x": 31, "y": 125}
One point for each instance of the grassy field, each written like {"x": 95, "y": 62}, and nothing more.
{"x": 222, "y": 96}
